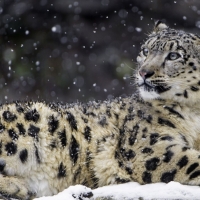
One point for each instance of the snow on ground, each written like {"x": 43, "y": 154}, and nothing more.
{"x": 128, "y": 191}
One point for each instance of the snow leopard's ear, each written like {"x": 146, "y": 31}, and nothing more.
{"x": 159, "y": 26}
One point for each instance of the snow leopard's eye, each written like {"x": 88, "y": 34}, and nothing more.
{"x": 173, "y": 56}
{"x": 145, "y": 51}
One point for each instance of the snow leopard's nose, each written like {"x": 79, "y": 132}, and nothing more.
{"x": 146, "y": 73}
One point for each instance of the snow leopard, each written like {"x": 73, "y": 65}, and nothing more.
{"x": 150, "y": 136}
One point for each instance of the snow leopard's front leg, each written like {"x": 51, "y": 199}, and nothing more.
{"x": 167, "y": 161}
{"x": 14, "y": 187}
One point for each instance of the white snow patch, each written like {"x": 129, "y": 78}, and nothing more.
{"x": 72, "y": 193}
{"x": 133, "y": 190}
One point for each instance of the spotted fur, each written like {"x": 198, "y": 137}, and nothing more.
{"x": 150, "y": 137}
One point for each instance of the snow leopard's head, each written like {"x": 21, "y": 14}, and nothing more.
{"x": 169, "y": 65}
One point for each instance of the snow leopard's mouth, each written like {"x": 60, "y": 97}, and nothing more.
{"x": 159, "y": 88}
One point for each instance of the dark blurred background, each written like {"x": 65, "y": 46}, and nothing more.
{"x": 64, "y": 50}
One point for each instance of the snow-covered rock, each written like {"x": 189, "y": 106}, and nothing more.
{"x": 129, "y": 191}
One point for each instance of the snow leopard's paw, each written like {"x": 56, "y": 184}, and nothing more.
{"x": 12, "y": 187}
